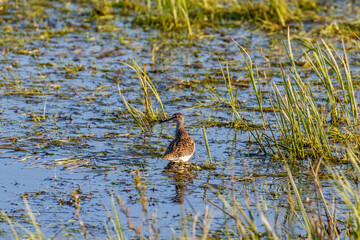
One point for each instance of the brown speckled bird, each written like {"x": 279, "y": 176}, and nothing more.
{"x": 183, "y": 146}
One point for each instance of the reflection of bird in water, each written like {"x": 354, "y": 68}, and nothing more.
{"x": 183, "y": 146}
{"x": 182, "y": 173}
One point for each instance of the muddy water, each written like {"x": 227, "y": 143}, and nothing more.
{"x": 64, "y": 127}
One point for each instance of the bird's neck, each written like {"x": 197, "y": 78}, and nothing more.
{"x": 179, "y": 129}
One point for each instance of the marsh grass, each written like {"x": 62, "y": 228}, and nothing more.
{"x": 308, "y": 128}
{"x": 325, "y": 59}
{"x": 172, "y": 14}
{"x": 319, "y": 222}
{"x": 145, "y": 221}
{"x": 185, "y": 15}
{"x": 144, "y": 118}
{"x": 247, "y": 211}
{"x": 194, "y": 15}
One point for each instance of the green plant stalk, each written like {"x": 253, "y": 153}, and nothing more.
{"x": 350, "y": 86}
{"x": 326, "y": 208}
{"x": 11, "y": 225}
{"x": 349, "y": 193}
{"x": 306, "y": 221}
{"x": 145, "y": 83}
{"x": 207, "y": 145}
{"x": 232, "y": 96}
{"x": 256, "y": 87}
{"x": 184, "y": 10}
{"x": 116, "y": 217}
{"x": 174, "y": 11}
{"x": 33, "y": 220}
{"x": 334, "y": 65}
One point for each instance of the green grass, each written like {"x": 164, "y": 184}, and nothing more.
{"x": 308, "y": 128}
{"x": 186, "y": 16}
{"x": 144, "y": 118}
{"x": 193, "y": 16}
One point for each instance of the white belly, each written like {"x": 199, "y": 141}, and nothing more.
{"x": 184, "y": 158}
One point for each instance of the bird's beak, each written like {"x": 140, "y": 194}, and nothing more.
{"x": 166, "y": 120}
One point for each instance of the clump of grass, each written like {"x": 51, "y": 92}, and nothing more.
{"x": 308, "y": 128}
{"x": 323, "y": 61}
{"x": 313, "y": 221}
{"x": 301, "y": 217}
{"x": 144, "y": 118}
{"x": 245, "y": 225}
{"x": 172, "y": 13}
{"x": 165, "y": 14}
{"x": 12, "y": 85}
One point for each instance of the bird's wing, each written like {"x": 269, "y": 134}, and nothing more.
{"x": 169, "y": 149}
{"x": 180, "y": 148}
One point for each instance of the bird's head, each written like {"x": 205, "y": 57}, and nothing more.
{"x": 177, "y": 118}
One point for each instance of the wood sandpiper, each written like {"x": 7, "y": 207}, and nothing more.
{"x": 183, "y": 146}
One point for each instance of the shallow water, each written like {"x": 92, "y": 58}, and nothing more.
{"x": 85, "y": 121}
